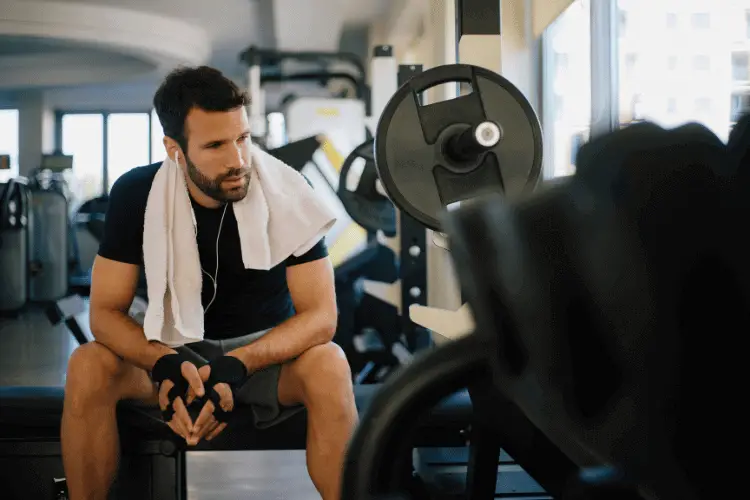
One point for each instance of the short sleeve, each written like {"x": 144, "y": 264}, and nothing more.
{"x": 319, "y": 251}
{"x": 123, "y": 223}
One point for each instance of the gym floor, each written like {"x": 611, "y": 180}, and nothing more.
{"x": 36, "y": 354}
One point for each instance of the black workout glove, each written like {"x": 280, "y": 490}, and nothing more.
{"x": 227, "y": 370}
{"x": 169, "y": 367}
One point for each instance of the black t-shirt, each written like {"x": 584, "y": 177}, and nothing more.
{"x": 247, "y": 300}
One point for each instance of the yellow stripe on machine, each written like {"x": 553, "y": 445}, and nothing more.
{"x": 351, "y": 238}
{"x": 354, "y": 235}
{"x": 332, "y": 154}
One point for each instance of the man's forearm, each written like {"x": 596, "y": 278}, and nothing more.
{"x": 120, "y": 333}
{"x": 286, "y": 341}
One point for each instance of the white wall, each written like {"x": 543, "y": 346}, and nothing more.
{"x": 121, "y": 97}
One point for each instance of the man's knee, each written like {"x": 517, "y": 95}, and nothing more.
{"x": 93, "y": 371}
{"x": 324, "y": 373}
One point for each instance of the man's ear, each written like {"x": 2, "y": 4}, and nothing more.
{"x": 172, "y": 148}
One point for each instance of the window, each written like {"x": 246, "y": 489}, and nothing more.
{"x": 567, "y": 43}
{"x": 157, "y": 139}
{"x": 559, "y": 107}
{"x": 636, "y": 109}
{"x": 132, "y": 140}
{"x": 701, "y": 62}
{"x": 698, "y": 73}
{"x": 691, "y": 64}
{"x": 9, "y": 141}
{"x": 700, "y": 20}
{"x": 671, "y": 105}
{"x": 741, "y": 66}
{"x": 671, "y": 20}
{"x": 630, "y": 61}
{"x": 702, "y": 105}
{"x": 623, "y": 21}
{"x": 740, "y": 105}
{"x": 128, "y": 143}
{"x": 83, "y": 137}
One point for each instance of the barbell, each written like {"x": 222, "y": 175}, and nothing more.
{"x": 605, "y": 305}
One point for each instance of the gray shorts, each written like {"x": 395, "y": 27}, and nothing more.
{"x": 260, "y": 392}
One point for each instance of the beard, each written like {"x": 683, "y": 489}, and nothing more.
{"x": 213, "y": 187}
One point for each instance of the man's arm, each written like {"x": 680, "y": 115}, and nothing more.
{"x": 313, "y": 292}
{"x": 113, "y": 286}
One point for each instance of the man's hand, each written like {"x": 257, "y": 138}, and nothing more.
{"x": 206, "y": 426}
{"x": 176, "y": 414}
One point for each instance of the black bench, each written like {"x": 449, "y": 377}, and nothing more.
{"x": 153, "y": 464}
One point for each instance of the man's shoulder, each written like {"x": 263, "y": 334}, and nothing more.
{"x": 138, "y": 179}
{"x": 130, "y": 191}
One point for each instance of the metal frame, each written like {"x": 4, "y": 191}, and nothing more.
{"x": 412, "y": 268}
{"x": 605, "y": 86}
{"x": 59, "y": 113}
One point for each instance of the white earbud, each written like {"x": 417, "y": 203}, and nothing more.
{"x": 214, "y": 279}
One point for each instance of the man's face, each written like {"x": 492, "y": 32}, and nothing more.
{"x": 217, "y": 156}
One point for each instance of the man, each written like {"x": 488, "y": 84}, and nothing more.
{"x": 278, "y": 323}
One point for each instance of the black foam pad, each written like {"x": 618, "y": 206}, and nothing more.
{"x": 169, "y": 367}
{"x": 227, "y": 370}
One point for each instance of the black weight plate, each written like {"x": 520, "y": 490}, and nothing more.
{"x": 365, "y": 205}
{"x": 419, "y": 178}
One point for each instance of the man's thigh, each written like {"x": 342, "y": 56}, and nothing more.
{"x": 133, "y": 383}
{"x": 261, "y": 390}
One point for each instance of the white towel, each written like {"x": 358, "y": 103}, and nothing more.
{"x": 280, "y": 216}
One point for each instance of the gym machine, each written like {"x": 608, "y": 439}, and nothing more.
{"x": 54, "y": 249}
{"x": 429, "y": 157}
{"x": 309, "y": 116}
{"x": 154, "y": 459}
{"x": 592, "y": 297}
{"x": 384, "y": 337}
{"x": 14, "y": 245}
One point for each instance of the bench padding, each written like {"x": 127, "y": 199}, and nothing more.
{"x": 35, "y": 413}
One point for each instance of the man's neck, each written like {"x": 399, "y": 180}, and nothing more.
{"x": 199, "y": 196}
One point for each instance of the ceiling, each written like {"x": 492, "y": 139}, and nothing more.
{"x": 54, "y": 43}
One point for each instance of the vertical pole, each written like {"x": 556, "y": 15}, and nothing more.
{"x": 412, "y": 256}
{"x": 478, "y": 33}
{"x": 105, "y": 153}
{"x": 384, "y": 82}
{"x": 257, "y": 104}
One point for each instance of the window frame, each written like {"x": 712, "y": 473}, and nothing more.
{"x": 60, "y": 113}
{"x": 746, "y": 75}
{"x": 604, "y": 23}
